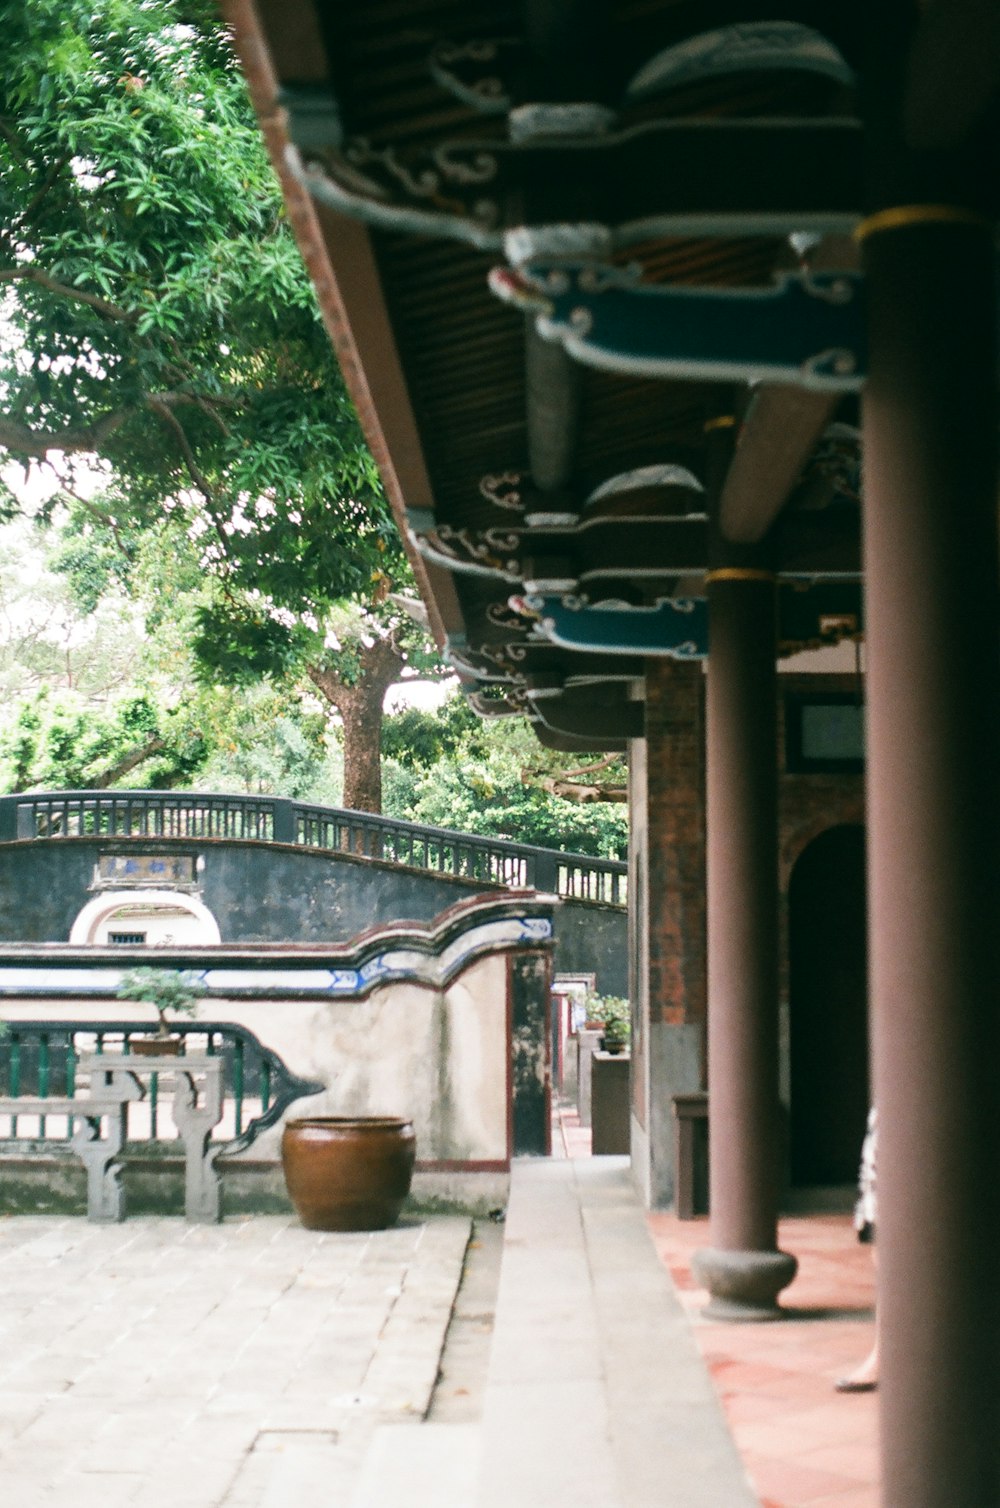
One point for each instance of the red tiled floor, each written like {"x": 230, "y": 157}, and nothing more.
{"x": 804, "y": 1446}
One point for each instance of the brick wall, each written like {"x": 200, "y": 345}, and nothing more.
{"x": 670, "y": 768}
{"x": 667, "y": 896}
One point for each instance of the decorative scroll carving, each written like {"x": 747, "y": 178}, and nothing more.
{"x": 504, "y": 615}
{"x": 503, "y": 490}
{"x": 512, "y": 704}
{"x": 430, "y": 181}
{"x": 472, "y": 72}
{"x": 677, "y": 628}
{"x": 478, "y": 554}
{"x": 346, "y": 183}
{"x": 470, "y": 662}
{"x": 666, "y": 177}
{"x": 506, "y": 657}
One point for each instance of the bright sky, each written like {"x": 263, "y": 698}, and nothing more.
{"x": 41, "y": 482}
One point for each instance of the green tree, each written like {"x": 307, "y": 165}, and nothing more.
{"x": 44, "y": 638}
{"x": 57, "y": 740}
{"x": 158, "y": 318}
{"x": 495, "y": 778}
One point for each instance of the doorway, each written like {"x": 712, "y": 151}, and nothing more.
{"x": 828, "y": 1015}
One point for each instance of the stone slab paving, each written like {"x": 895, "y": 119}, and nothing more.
{"x": 231, "y": 1366}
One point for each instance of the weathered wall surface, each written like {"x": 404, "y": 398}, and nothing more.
{"x": 445, "y": 1024}
{"x": 265, "y": 892}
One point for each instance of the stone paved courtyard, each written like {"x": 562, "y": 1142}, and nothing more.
{"x": 183, "y": 1366}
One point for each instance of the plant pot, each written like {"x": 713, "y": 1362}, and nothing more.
{"x": 156, "y": 1047}
{"x": 348, "y": 1172}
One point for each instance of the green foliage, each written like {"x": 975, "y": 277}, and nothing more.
{"x": 486, "y": 781}
{"x": 169, "y": 991}
{"x": 45, "y": 640}
{"x": 267, "y": 742}
{"x": 614, "y": 1014}
{"x": 158, "y": 316}
{"x": 58, "y": 741}
{"x": 418, "y": 739}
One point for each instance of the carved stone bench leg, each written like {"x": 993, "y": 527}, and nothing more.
{"x": 202, "y": 1180}
{"x": 105, "y": 1194}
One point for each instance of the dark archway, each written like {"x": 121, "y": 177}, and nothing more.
{"x": 828, "y": 1008}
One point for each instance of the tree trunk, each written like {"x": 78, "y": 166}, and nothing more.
{"x": 362, "y": 719}
{"x": 360, "y": 708}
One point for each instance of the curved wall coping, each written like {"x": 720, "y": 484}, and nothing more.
{"x": 430, "y": 954}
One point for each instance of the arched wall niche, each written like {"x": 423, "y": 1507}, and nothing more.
{"x": 163, "y": 917}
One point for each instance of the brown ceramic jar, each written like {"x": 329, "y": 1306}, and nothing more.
{"x": 348, "y": 1173}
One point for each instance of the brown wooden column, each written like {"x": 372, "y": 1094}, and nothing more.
{"x": 743, "y": 1269}
{"x": 930, "y": 416}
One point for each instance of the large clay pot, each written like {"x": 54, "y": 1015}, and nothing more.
{"x": 348, "y": 1173}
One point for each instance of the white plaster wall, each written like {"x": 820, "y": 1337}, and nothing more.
{"x": 163, "y": 928}
{"x": 438, "y": 1057}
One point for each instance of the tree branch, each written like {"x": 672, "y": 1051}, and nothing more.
{"x": 51, "y": 178}
{"x": 160, "y": 405}
{"x": 89, "y": 506}
{"x": 24, "y": 441}
{"x": 381, "y": 662}
{"x": 571, "y": 790}
{"x": 112, "y": 772}
{"x": 10, "y": 137}
{"x": 589, "y": 769}
{"x": 31, "y": 274}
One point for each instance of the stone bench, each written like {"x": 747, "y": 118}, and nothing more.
{"x": 205, "y": 1084}
{"x": 115, "y": 1082}
{"x": 197, "y": 1109}
{"x": 99, "y": 1154}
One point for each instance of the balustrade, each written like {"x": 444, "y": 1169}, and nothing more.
{"x": 163, "y": 815}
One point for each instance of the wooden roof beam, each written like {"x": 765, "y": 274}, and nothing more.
{"x": 779, "y": 433}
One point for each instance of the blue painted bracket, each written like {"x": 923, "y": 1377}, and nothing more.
{"x": 678, "y": 627}
{"x": 675, "y": 627}
{"x": 807, "y": 329}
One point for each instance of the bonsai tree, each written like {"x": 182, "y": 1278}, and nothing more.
{"x": 615, "y": 1016}
{"x": 168, "y": 991}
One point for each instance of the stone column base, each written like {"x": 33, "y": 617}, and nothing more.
{"x": 744, "y": 1285}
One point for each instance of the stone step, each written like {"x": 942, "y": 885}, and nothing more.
{"x": 421, "y": 1466}
{"x": 596, "y": 1395}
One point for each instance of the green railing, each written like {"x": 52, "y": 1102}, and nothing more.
{"x": 168, "y": 815}
{"x": 39, "y": 1059}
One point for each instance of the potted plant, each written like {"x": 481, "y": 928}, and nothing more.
{"x": 614, "y": 1015}
{"x": 171, "y": 992}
